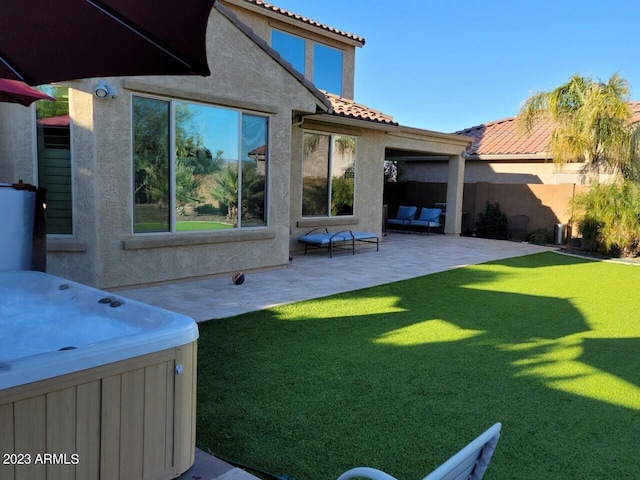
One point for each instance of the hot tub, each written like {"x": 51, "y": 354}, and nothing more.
{"x": 92, "y": 385}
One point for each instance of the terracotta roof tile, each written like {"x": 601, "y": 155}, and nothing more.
{"x": 502, "y": 137}
{"x": 306, "y": 20}
{"x": 344, "y": 107}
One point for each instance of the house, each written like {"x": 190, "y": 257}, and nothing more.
{"x": 506, "y": 166}
{"x": 500, "y": 153}
{"x": 184, "y": 177}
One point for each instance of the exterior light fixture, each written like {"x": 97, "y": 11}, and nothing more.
{"x": 104, "y": 91}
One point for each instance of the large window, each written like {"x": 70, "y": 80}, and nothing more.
{"x": 54, "y": 158}
{"x": 327, "y": 61}
{"x": 197, "y": 167}
{"x": 328, "y": 173}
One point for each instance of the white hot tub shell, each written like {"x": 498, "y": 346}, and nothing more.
{"x": 92, "y": 385}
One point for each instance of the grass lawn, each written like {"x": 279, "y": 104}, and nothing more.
{"x": 183, "y": 226}
{"x": 401, "y": 376}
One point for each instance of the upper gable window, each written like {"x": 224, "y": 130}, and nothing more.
{"x": 290, "y": 47}
{"x": 326, "y": 61}
{"x": 327, "y": 68}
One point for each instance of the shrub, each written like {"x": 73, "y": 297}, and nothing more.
{"x": 206, "y": 209}
{"x": 492, "y": 223}
{"x": 540, "y": 236}
{"x": 590, "y": 230}
{"x": 608, "y": 217}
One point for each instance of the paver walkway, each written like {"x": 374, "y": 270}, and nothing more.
{"x": 315, "y": 275}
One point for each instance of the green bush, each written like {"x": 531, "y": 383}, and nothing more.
{"x": 492, "y": 223}
{"x": 540, "y": 236}
{"x": 608, "y": 217}
{"x": 206, "y": 209}
{"x": 590, "y": 230}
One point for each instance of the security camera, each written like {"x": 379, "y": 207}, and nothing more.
{"x": 104, "y": 90}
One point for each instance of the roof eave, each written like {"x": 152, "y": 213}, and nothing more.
{"x": 509, "y": 156}
{"x": 295, "y": 22}
{"x": 463, "y": 140}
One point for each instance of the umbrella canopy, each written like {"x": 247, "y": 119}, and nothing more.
{"x": 45, "y": 41}
{"x": 13, "y": 91}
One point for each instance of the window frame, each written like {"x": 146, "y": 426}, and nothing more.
{"x": 172, "y": 165}
{"x": 72, "y": 169}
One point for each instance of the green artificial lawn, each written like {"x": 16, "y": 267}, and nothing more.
{"x": 401, "y": 376}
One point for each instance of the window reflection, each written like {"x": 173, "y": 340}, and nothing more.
{"x": 328, "y": 157}
{"x": 327, "y": 68}
{"x": 290, "y": 47}
{"x": 254, "y": 170}
{"x": 327, "y": 61}
{"x": 315, "y": 171}
{"x": 207, "y": 189}
{"x": 54, "y": 158}
{"x": 151, "y": 165}
{"x": 206, "y": 167}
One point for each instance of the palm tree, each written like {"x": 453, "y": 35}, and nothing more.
{"x": 225, "y": 189}
{"x": 591, "y": 123}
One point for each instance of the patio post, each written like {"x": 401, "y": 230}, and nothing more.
{"x": 455, "y": 187}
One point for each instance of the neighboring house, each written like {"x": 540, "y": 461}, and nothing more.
{"x": 506, "y": 166}
{"x": 501, "y": 153}
{"x": 186, "y": 177}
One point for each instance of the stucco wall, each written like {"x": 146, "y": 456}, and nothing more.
{"x": 103, "y": 251}
{"x": 16, "y": 144}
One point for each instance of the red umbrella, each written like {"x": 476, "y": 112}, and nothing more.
{"x": 45, "y": 41}
{"x": 13, "y": 91}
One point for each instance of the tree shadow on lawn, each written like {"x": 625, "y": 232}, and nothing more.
{"x": 394, "y": 378}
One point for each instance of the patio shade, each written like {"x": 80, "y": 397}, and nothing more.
{"x": 46, "y": 41}
{"x": 13, "y": 91}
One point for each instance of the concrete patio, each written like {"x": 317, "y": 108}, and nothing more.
{"x": 401, "y": 256}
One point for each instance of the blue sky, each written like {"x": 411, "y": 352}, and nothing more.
{"x": 446, "y": 65}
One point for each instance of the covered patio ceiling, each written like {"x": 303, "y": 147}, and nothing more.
{"x": 413, "y": 155}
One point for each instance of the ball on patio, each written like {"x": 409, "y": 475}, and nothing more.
{"x": 238, "y": 278}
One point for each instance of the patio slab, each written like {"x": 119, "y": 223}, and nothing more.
{"x": 315, "y": 275}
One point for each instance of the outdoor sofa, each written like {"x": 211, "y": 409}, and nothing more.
{"x": 429, "y": 218}
{"x": 403, "y": 217}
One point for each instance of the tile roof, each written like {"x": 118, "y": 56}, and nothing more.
{"x": 502, "y": 137}
{"x": 308, "y": 21}
{"x": 344, "y": 107}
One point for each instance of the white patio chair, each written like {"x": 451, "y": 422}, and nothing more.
{"x": 470, "y": 463}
